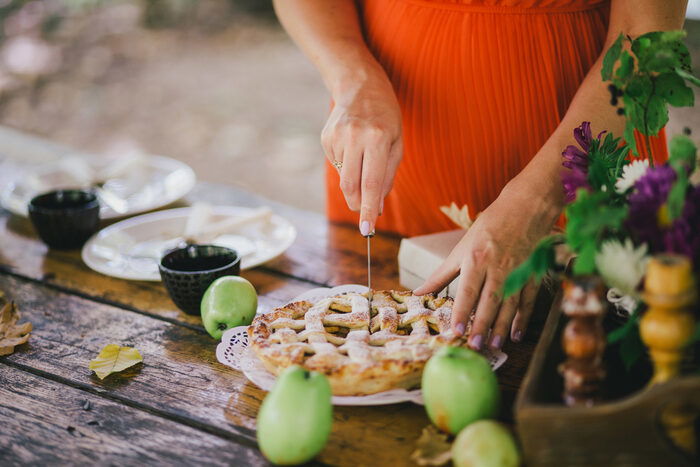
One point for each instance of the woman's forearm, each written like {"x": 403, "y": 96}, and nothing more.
{"x": 329, "y": 33}
{"x": 592, "y": 100}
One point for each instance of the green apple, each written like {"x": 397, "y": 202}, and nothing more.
{"x": 295, "y": 418}
{"x": 229, "y": 301}
{"x": 459, "y": 388}
{"x": 485, "y": 444}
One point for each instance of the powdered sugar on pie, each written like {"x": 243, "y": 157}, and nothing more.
{"x": 361, "y": 350}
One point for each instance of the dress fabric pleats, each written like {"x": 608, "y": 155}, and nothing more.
{"x": 481, "y": 85}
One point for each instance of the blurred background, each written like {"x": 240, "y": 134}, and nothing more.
{"x": 215, "y": 83}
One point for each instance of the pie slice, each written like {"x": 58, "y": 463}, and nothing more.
{"x": 361, "y": 350}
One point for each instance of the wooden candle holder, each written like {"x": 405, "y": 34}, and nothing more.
{"x": 583, "y": 340}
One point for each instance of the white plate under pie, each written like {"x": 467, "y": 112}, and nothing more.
{"x": 132, "y": 248}
{"x": 233, "y": 351}
{"x": 157, "y": 182}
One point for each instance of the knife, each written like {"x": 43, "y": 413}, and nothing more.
{"x": 369, "y": 271}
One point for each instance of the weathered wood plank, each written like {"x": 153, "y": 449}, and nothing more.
{"x": 21, "y": 253}
{"x": 323, "y": 253}
{"x": 44, "y": 422}
{"x": 181, "y": 378}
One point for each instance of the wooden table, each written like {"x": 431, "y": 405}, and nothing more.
{"x": 180, "y": 406}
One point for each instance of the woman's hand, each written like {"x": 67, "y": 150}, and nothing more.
{"x": 500, "y": 239}
{"x": 363, "y": 132}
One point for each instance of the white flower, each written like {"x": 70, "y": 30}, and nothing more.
{"x": 630, "y": 174}
{"x": 622, "y": 265}
{"x": 459, "y": 216}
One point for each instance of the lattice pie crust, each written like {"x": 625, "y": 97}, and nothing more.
{"x": 360, "y": 351}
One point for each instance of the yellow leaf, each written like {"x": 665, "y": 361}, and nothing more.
{"x": 432, "y": 448}
{"x": 11, "y": 333}
{"x": 113, "y": 358}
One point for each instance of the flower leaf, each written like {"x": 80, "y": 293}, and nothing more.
{"x": 631, "y": 347}
{"x": 688, "y": 76}
{"x": 655, "y": 117}
{"x": 611, "y": 56}
{"x": 676, "y": 196}
{"x": 626, "y": 66}
{"x": 682, "y": 153}
{"x": 621, "y": 332}
{"x": 113, "y": 358}
{"x": 541, "y": 260}
{"x": 629, "y": 136}
{"x": 673, "y": 89}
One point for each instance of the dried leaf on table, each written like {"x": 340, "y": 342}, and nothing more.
{"x": 11, "y": 333}
{"x": 459, "y": 216}
{"x": 432, "y": 448}
{"x": 113, "y": 359}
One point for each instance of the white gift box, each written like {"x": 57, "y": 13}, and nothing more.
{"x": 420, "y": 256}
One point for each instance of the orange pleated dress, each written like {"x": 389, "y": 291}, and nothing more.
{"x": 482, "y": 84}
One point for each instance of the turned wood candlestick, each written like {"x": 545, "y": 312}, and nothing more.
{"x": 583, "y": 340}
{"x": 667, "y": 328}
{"x": 668, "y": 325}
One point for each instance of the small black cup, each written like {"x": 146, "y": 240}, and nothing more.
{"x": 187, "y": 272}
{"x": 65, "y": 219}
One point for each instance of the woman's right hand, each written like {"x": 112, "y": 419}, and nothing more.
{"x": 363, "y": 132}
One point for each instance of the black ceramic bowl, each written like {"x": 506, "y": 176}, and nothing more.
{"x": 187, "y": 272}
{"x": 65, "y": 219}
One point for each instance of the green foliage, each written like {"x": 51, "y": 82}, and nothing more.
{"x": 611, "y": 57}
{"x": 606, "y": 158}
{"x": 683, "y": 160}
{"x": 631, "y": 347}
{"x": 591, "y": 218}
{"x": 535, "y": 267}
{"x": 652, "y": 77}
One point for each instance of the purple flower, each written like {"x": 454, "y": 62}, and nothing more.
{"x": 648, "y": 216}
{"x": 572, "y": 181}
{"x": 576, "y": 160}
{"x": 583, "y": 136}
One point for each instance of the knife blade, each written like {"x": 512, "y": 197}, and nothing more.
{"x": 369, "y": 270}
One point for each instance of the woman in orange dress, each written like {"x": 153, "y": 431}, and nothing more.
{"x": 470, "y": 101}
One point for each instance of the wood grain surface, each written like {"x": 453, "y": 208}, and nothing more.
{"x": 180, "y": 390}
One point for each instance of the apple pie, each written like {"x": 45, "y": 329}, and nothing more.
{"x": 361, "y": 349}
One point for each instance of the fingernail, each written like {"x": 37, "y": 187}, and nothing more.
{"x": 459, "y": 329}
{"x": 475, "y": 342}
{"x": 517, "y": 336}
{"x": 496, "y": 342}
{"x": 364, "y": 228}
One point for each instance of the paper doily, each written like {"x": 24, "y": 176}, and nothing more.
{"x": 233, "y": 351}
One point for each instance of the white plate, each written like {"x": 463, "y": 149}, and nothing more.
{"x": 233, "y": 351}
{"x": 132, "y": 248}
{"x": 159, "y": 181}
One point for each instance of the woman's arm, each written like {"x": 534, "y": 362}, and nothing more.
{"x": 527, "y": 208}
{"x": 363, "y": 130}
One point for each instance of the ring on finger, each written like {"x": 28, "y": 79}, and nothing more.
{"x": 337, "y": 164}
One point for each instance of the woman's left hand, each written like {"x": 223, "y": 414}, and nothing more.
{"x": 500, "y": 239}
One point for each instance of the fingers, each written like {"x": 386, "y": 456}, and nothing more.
{"x": 501, "y": 327}
{"x": 350, "y": 175}
{"x": 471, "y": 280}
{"x": 489, "y": 305}
{"x": 525, "y": 309}
{"x": 374, "y": 165}
{"x": 395, "y": 155}
{"x": 441, "y": 277}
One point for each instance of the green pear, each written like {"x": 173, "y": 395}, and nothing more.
{"x": 459, "y": 387}
{"x": 295, "y": 418}
{"x": 485, "y": 443}
{"x": 229, "y": 301}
